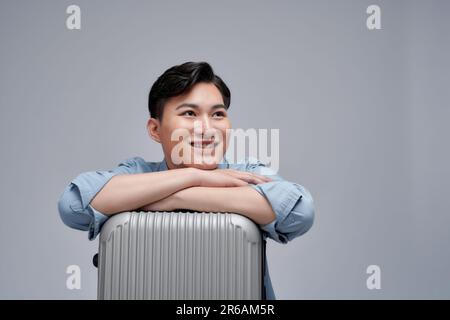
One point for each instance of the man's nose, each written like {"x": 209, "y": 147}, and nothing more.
{"x": 205, "y": 123}
{"x": 203, "y": 128}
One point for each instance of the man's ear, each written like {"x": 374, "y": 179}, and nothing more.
{"x": 153, "y": 126}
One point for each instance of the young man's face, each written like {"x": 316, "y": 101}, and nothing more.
{"x": 193, "y": 128}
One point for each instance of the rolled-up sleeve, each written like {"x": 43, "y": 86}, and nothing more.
{"x": 291, "y": 202}
{"x": 74, "y": 204}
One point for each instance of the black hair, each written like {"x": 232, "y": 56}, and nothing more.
{"x": 180, "y": 79}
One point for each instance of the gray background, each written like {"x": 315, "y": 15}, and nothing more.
{"x": 363, "y": 117}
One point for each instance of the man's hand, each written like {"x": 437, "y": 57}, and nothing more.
{"x": 228, "y": 178}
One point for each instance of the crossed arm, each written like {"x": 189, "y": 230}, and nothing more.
{"x": 244, "y": 200}
{"x": 222, "y": 190}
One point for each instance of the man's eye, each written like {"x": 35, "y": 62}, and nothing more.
{"x": 188, "y": 113}
{"x": 220, "y": 114}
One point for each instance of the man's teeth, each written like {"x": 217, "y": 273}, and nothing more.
{"x": 202, "y": 144}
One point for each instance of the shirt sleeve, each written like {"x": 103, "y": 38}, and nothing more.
{"x": 74, "y": 204}
{"x": 291, "y": 202}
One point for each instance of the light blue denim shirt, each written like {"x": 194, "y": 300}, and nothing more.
{"x": 291, "y": 202}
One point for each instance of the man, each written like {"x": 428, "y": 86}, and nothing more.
{"x": 190, "y": 100}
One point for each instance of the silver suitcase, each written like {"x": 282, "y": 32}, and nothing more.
{"x": 180, "y": 255}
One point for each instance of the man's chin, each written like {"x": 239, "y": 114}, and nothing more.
{"x": 202, "y": 166}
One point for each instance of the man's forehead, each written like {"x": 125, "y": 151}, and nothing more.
{"x": 203, "y": 95}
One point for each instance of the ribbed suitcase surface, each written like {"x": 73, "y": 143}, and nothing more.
{"x": 180, "y": 255}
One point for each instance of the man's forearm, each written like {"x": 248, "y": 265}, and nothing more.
{"x": 244, "y": 200}
{"x": 131, "y": 191}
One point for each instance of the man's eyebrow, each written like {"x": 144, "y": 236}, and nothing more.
{"x": 195, "y": 106}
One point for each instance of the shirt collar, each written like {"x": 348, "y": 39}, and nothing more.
{"x": 162, "y": 165}
{"x": 224, "y": 164}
